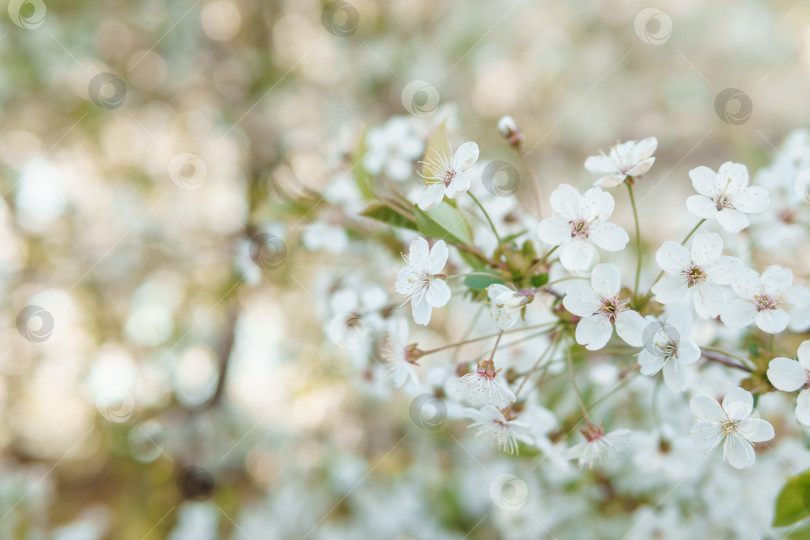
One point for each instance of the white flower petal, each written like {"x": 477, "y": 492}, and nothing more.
{"x": 675, "y": 376}
{"x": 554, "y": 230}
{"x": 593, "y": 332}
{"x": 438, "y": 293}
{"x": 421, "y": 310}
{"x": 772, "y": 321}
{"x": 732, "y": 220}
{"x": 756, "y": 430}
{"x": 738, "y": 452}
{"x": 803, "y": 407}
{"x": 706, "y": 435}
{"x": 650, "y": 363}
{"x": 752, "y": 200}
{"x": 430, "y": 196}
{"x": 581, "y": 300}
{"x": 738, "y": 403}
{"x": 776, "y": 280}
{"x": 600, "y": 165}
{"x": 688, "y": 352}
{"x": 419, "y": 253}
{"x": 466, "y": 156}
{"x": 641, "y": 167}
{"x": 703, "y": 179}
{"x": 438, "y": 257}
{"x": 706, "y": 409}
{"x": 804, "y": 354}
{"x": 630, "y": 327}
{"x": 608, "y": 236}
{"x": 706, "y": 247}
{"x": 672, "y": 257}
{"x": 786, "y": 374}
{"x": 565, "y": 201}
{"x": 597, "y": 205}
{"x": 577, "y": 255}
{"x": 701, "y": 207}
{"x": 708, "y": 299}
{"x": 670, "y": 289}
{"x": 747, "y": 283}
{"x": 736, "y": 174}
{"x": 738, "y": 313}
{"x": 458, "y": 185}
{"x": 606, "y": 280}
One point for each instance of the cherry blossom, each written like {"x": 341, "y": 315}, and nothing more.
{"x": 400, "y": 356}
{"x": 507, "y": 303}
{"x": 445, "y": 174}
{"x": 580, "y": 224}
{"x": 630, "y": 158}
{"x": 597, "y": 445}
{"x": 500, "y": 427}
{"x": 730, "y": 424}
{"x": 766, "y": 300}
{"x": 482, "y": 388}
{"x": 789, "y": 375}
{"x": 393, "y": 148}
{"x": 667, "y": 347}
{"x": 420, "y": 281}
{"x": 724, "y": 196}
{"x": 600, "y": 307}
{"x": 700, "y": 271}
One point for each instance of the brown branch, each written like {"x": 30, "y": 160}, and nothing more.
{"x": 720, "y": 359}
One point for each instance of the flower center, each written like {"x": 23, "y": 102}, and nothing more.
{"x": 611, "y": 307}
{"x": 765, "y": 302}
{"x": 667, "y": 349}
{"x": 579, "y": 228}
{"x": 723, "y": 201}
{"x": 592, "y": 432}
{"x": 694, "y": 275}
{"x": 729, "y": 426}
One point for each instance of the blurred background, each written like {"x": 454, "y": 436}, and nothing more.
{"x": 179, "y": 236}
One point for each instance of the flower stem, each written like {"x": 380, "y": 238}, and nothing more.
{"x": 495, "y": 348}
{"x": 473, "y": 274}
{"x": 574, "y": 384}
{"x": 491, "y": 224}
{"x": 552, "y": 346}
{"x": 482, "y": 338}
{"x": 638, "y": 238}
{"x": 714, "y": 357}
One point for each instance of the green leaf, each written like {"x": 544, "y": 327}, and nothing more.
{"x": 389, "y": 214}
{"x": 539, "y": 280}
{"x": 444, "y": 222}
{"x": 793, "y": 502}
{"x": 480, "y": 283}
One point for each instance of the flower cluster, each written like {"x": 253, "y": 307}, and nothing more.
{"x": 566, "y": 299}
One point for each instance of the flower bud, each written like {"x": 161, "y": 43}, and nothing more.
{"x": 510, "y": 131}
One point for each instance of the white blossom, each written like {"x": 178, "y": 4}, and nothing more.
{"x": 580, "y": 224}
{"x": 482, "y": 387}
{"x": 420, "y": 280}
{"x": 766, "y": 300}
{"x": 699, "y": 271}
{"x": 598, "y": 445}
{"x": 493, "y": 424}
{"x": 730, "y": 424}
{"x": 630, "y": 158}
{"x": 445, "y": 174}
{"x": 667, "y": 347}
{"x": 726, "y": 196}
{"x": 400, "y": 356}
{"x": 507, "y": 303}
{"x": 600, "y": 307}
{"x": 790, "y": 375}
{"x": 393, "y": 148}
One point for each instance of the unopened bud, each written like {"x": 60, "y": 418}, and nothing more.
{"x": 510, "y": 131}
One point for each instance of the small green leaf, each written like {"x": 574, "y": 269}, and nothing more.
{"x": 539, "y": 280}
{"x": 389, "y": 214}
{"x": 480, "y": 283}
{"x": 444, "y": 222}
{"x": 793, "y": 502}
